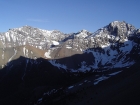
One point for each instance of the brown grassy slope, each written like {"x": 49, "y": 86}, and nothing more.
{"x": 9, "y": 52}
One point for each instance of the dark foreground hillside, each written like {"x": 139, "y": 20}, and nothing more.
{"x": 37, "y": 82}
{"x": 121, "y": 89}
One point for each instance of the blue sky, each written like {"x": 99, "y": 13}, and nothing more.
{"x": 67, "y": 15}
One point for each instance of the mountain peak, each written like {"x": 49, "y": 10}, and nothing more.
{"x": 83, "y": 30}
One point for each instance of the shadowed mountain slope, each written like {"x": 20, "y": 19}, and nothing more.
{"x": 49, "y": 67}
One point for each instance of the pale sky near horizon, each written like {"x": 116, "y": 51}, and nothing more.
{"x": 67, "y": 15}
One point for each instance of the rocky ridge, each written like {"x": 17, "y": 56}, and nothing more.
{"x": 50, "y": 67}
{"x": 115, "y": 45}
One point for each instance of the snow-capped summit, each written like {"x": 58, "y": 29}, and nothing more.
{"x": 83, "y": 31}
{"x": 108, "y": 47}
{"x": 48, "y": 67}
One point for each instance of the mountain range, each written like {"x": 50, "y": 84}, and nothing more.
{"x": 51, "y": 67}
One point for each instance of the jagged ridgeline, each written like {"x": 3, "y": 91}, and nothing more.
{"x": 52, "y": 68}
{"x": 115, "y": 45}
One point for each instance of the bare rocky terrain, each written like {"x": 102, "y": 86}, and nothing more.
{"x": 41, "y": 67}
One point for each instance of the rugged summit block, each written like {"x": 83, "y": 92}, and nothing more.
{"x": 109, "y": 47}
{"x": 52, "y": 68}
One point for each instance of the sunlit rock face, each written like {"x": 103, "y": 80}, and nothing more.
{"x": 45, "y": 67}
{"x": 115, "y": 45}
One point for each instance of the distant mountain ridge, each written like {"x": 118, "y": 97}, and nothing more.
{"x": 49, "y": 67}
{"x": 115, "y": 45}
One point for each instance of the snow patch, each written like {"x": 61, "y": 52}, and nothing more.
{"x": 13, "y": 55}
{"x": 68, "y": 47}
{"x": 128, "y": 46}
{"x": 114, "y": 73}
{"x": 105, "y": 45}
{"x": 55, "y": 43}
{"x": 70, "y": 87}
{"x": 39, "y": 101}
{"x": 7, "y": 36}
{"x": 24, "y": 50}
{"x": 100, "y": 79}
{"x": 53, "y": 62}
{"x": 2, "y": 55}
{"x": 47, "y": 54}
{"x": 84, "y": 67}
{"x": 105, "y": 77}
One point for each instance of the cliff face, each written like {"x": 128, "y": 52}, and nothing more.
{"x": 115, "y": 45}
{"x": 50, "y": 67}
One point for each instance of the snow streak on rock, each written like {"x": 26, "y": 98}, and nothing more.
{"x": 112, "y": 46}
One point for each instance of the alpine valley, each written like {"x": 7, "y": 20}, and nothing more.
{"x": 41, "y": 67}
